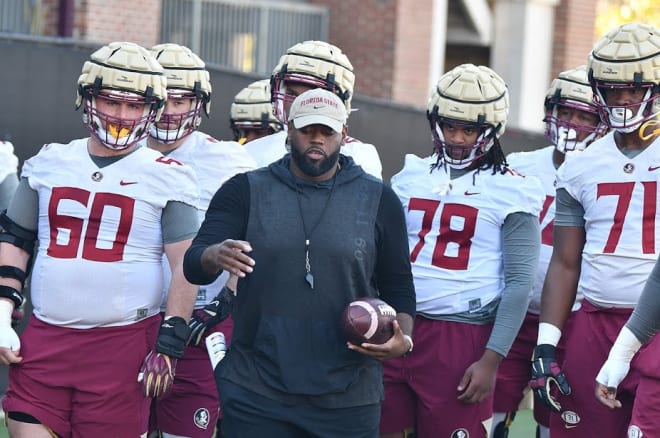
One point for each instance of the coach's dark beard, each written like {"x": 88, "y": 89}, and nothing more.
{"x": 311, "y": 168}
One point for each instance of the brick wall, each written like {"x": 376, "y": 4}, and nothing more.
{"x": 366, "y": 30}
{"x": 574, "y": 34}
{"x": 413, "y": 49}
{"x": 104, "y": 21}
{"x": 118, "y": 20}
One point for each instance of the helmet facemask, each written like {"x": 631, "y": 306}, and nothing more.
{"x": 461, "y": 156}
{"x": 627, "y": 117}
{"x": 176, "y": 126}
{"x": 117, "y": 133}
{"x": 564, "y": 133}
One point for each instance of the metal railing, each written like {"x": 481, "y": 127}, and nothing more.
{"x": 18, "y": 16}
{"x": 249, "y": 36}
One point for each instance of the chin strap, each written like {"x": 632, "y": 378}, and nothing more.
{"x": 654, "y": 133}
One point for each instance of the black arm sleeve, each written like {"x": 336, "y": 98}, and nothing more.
{"x": 226, "y": 218}
{"x": 393, "y": 272}
{"x": 645, "y": 320}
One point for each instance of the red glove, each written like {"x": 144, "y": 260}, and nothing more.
{"x": 157, "y": 374}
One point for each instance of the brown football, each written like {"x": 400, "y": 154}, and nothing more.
{"x": 368, "y": 320}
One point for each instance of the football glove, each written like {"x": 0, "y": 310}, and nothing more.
{"x": 210, "y": 315}
{"x": 17, "y": 317}
{"x": 545, "y": 373}
{"x": 158, "y": 370}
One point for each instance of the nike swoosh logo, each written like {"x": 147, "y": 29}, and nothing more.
{"x": 652, "y": 168}
{"x": 570, "y": 426}
{"x": 318, "y": 106}
{"x": 126, "y": 183}
{"x": 471, "y": 193}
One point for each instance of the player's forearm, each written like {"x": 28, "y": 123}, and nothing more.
{"x": 181, "y": 296}
{"x": 558, "y": 296}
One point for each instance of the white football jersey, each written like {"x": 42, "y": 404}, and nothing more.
{"x": 364, "y": 155}
{"x": 213, "y": 162}
{"x": 267, "y": 149}
{"x": 620, "y": 199}
{"x": 8, "y": 161}
{"x": 270, "y": 148}
{"x": 539, "y": 164}
{"x": 100, "y": 238}
{"x": 455, "y": 231}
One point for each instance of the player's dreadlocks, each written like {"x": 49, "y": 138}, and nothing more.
{"x": 494, "y": 159}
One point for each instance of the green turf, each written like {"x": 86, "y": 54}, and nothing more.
{"x": 524, "y": 425}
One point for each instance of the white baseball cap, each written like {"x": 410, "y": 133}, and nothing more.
{"x": 318, "y": 106}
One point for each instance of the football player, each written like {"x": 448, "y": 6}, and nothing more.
{"x": 304, "y": 66}
{"x": 473, "y": 231}
{"x": 191, "y": 409}
{"x": 104, "y": 212}
{"x": 252, "y": 115}
{"x": 606, "y": 224}
{"x": 572, "y": 123}
{"x": 8, "y": 173}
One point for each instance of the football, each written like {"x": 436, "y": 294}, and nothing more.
{"x": 368, "y": 320}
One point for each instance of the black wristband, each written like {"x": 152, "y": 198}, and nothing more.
{"x": 173, "y": 336}
{"x": 7, "y": 271}
{"x": 12, "y": 294}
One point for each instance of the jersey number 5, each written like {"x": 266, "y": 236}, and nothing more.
{"x": 62, "y": 225}
{"x": 460, "y": 238}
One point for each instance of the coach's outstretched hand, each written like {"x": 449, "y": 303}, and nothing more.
{"x": 545, "y": 373}
{"x": 158, "y": 370}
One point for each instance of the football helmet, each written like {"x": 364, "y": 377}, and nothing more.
{"x": 252, "y": 109}
{"x": 121, "y": 72}
{"x": 316, "y": 64}
{"x": 468, "y": 96}
{"x": 627, "y": 58}
{"x": 571, "y": 89}
{"x": 187, "y": 78}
